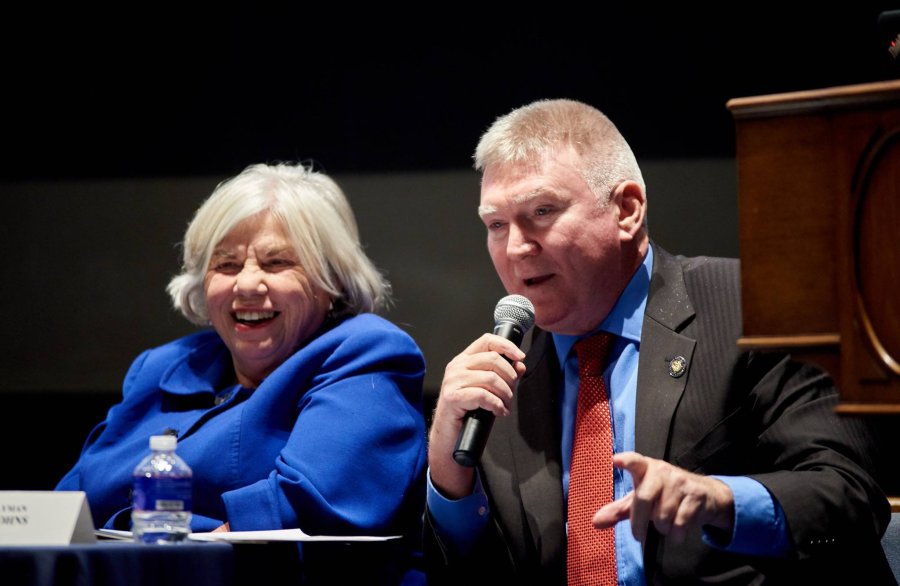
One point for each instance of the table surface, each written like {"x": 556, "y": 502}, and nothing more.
{"x": 115, "y": 563}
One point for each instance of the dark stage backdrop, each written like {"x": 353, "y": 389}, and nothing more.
{"x": 116, "y": 126}
{"x": 95, "y": 257}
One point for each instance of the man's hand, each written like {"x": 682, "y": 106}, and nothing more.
{"x": 672, "y": 498}
{"x": 481, "y": 376}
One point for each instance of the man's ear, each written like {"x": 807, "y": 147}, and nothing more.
{"x": 632, "y": 207}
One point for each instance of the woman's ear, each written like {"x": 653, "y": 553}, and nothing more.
{"x": 632, "y": 205}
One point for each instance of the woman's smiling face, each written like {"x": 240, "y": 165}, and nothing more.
{"x": 260, "y": 300}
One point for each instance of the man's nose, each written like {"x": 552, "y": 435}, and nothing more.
{"x": 520, "y": 243}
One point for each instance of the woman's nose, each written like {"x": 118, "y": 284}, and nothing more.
{"x": 250, "y": 281}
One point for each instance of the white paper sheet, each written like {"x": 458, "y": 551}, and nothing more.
{"x": 253, "y": 536}
{"x": 281, "y": 535}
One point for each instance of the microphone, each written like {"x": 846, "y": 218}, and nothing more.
{"x": 513, "y": 317}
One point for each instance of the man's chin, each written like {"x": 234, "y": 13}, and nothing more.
{"x": 564, "y": 324}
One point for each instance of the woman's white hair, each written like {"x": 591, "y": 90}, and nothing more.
{"x": 318, "y": 220}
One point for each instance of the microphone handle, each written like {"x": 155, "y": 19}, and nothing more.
{"x": 473, "y": 437}
{"x": 477, "y": 424}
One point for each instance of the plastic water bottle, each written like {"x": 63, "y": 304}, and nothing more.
{"x": 162, "y": 495}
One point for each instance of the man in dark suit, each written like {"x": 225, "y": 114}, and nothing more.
{"x": 729, "y": 466}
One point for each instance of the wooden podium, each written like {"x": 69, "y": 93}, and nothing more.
{"x": 819, "y": 215}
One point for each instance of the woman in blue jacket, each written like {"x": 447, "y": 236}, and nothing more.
{"x": 300, "y": 407}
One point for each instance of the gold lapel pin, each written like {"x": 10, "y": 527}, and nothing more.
{"x": 677, "y": 366}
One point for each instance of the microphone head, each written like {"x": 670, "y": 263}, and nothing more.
{"x": 515, "y": 309}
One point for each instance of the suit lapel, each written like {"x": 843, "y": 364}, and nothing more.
{"x": 661, "y": 382}
{"x": 537, "y": 459}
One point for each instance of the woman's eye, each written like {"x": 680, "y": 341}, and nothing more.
{"x": 227, "y": 266}
{"x": 279, "y": 263}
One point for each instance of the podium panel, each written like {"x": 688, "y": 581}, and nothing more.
{"x": 819, "y": 218}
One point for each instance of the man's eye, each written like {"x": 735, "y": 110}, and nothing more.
{"x": 542, "y": 211}
{"x": 495, "y": 225}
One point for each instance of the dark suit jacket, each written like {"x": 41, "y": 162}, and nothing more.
{"x": 731, "y": 413}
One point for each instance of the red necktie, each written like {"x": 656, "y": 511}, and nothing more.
{"x": 591, "y": 556}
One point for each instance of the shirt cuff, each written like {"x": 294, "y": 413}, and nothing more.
{"x": 759, "y": 524}
{"x": 459, "y": 522}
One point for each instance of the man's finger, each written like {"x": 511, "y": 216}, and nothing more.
{"x": 611, "y": 513}
{"x": 634, "y": 463}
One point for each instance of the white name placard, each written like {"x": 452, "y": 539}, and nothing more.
{"x": 45, "y": 518}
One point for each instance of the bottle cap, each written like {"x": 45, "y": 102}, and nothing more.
{"x": 163, "y": 442}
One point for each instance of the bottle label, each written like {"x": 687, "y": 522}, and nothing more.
{"x": 162, "y": 494}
